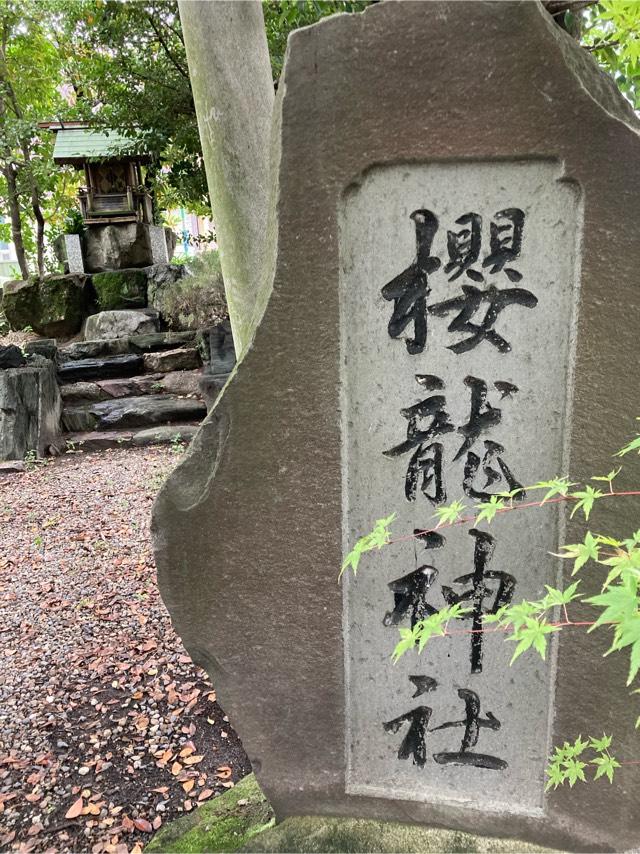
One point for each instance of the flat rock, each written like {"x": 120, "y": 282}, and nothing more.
{"x": 121, "y": 289}
{"x": 82, "y": 391}
{"x": 11, "y": 357}
{"x": 94, "y": 440}
{"x": 165, "y": 434}
{"x": 97, "y": 369}
{"x": 12, "y": 466}
{"x": 132, "y": 412}
{"x": 121, "y": 323}
{"x": 93, "y": 349}
{"x": 182, "y": 382}
{"x": 160, "y": 341}
{"x": 183, "y": 359}
{"x": 132, "y": 386}
{"x": 29, "y": 410}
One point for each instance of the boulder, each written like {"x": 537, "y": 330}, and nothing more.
{"x": 184, "y": 359}
{"x": 166, "y": 434}
{"x": 115, "y": 246}
{"x": 120, "y": 324}
{"x": 161, "y": 279}
{"x": 132, "y": 386}
{"x": 30, "y": 408}
{"x": 56, "y": 306}
{"x": 117, "y": 289}
{"x": 12, "y": 467}
{"x": 11, "y": 357}
{"x": 21, "y": 303}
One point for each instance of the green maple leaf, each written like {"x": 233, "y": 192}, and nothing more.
{"x": 586, "y": 499}
{"x": 601, "y": 744}
{"x": 634, "y": 445}
{"x": 377, "y": 538}
{"x": 488, "y": 509}
{"x": 532, "y": 634}
{"x": 556, "y": 776}
{"x": 558, "y": 486}
{"x": 580, "y": 553}
{"x": 450, "y": 513}
{"x": 560, "y": 597}
{"x": 605, "y": 765}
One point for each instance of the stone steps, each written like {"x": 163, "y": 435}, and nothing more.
{"x": 148, "y": 343}
{"x": 129, "y": 364}
{"x": 131, "y": 412}
{"x": 185, "y": 383}
{"x": 159, "y": 435}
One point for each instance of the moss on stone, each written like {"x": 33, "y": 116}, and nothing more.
{"x": 118, "y": 289}
{"x": 21, "y": 303}
{"x": 322, "y": 834}
{"x": 223, "y": 824}
{"x": 56, "y": 306}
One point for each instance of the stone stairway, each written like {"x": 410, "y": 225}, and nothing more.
{"x": 140, "y": 390}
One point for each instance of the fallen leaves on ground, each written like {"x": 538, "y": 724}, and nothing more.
{"x": 105, "y": 722}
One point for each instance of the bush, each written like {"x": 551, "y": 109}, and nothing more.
{"x": 197, "y": 300}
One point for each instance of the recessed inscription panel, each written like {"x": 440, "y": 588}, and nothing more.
{"x": 458, "y": 286}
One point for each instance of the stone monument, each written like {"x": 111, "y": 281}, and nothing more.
{"x": 450, "y": 317}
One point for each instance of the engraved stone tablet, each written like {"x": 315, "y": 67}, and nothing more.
{"x": 73, "y": 249}
{"x": 456, "y": 386}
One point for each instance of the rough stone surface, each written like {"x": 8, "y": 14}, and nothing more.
{"x": 47, "y": 347}
{"x": 182, "y": 382}
{"x": 132, "y": 386}
{"x": 132, "y": 412}
{"x": 56, "y": 306}
{"x": 223, "y": 824}
{"x": 82, "y": 391}
{"x": 288, "y": 474}
{"x": 217, "y": 349}
{"x": 98, "y": 369}
{"x": 29, "y": 410}
{"x": 183, "y": 359}
{"x": 161, "y": 341}
{"x": 20, "y": 302}
{"x": 159, "y": 247}
{"x": 161, "y": 278}
{"x": 120, "y": 289}
{"x": 120, "y": 324}
{"x": 93, "y": 349}
{"x": 164, "y": 434}
{"x": 11, "y": 357}
{"x": 233, "y": 93}
{"x": 116, "y": 246}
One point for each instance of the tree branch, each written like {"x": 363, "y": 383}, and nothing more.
{"x": 165, "y": 46}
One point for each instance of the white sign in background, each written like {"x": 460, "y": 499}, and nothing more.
{"x": 378, "y": 242}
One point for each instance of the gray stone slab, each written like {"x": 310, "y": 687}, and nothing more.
{"x": 30, "y": 408}
{"x": 158, "y": 241}
{"x": 97, "y": 369}
{"x": 127, "y": 412}
{"x": 73, "y": 249}
{"x": 447, "y": 108}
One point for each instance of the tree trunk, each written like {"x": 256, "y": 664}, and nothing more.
{"x": 14, "y": 212}
{"x": 233, "y": 93}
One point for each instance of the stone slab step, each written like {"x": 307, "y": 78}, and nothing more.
{"x": 101, "y": 369}
{"x": 175, "y": 382}
{"x": 160, "y": 435}
{"x": 127, "y": 412}
{"x": 180, "y": 359}
{"x": 149, "y": 343}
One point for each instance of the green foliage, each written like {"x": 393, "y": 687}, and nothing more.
{"x": 449, "y": 514}
{"x": 433, "y": 626}
{"x": 488, "y": 509}
{"x": 565, "y": 766}
{"x": 557, "y": 487}
{"x": 379, "y": 537}
{"x": 197, "y": 300}
{"x": 611, "y": 32}
{"x": 585, "y": 500}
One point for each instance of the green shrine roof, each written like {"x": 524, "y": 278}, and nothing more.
{"x": 77, "y": 144}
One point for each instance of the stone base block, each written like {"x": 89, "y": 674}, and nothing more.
{"x": 30, "y": 408}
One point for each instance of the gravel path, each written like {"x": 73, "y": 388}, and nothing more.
{"x": 107, "y": 728}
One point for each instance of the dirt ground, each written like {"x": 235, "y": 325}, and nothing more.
{"x": 107, "y": 728}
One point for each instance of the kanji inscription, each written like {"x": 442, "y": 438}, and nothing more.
{"x": 458, "y": 285}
